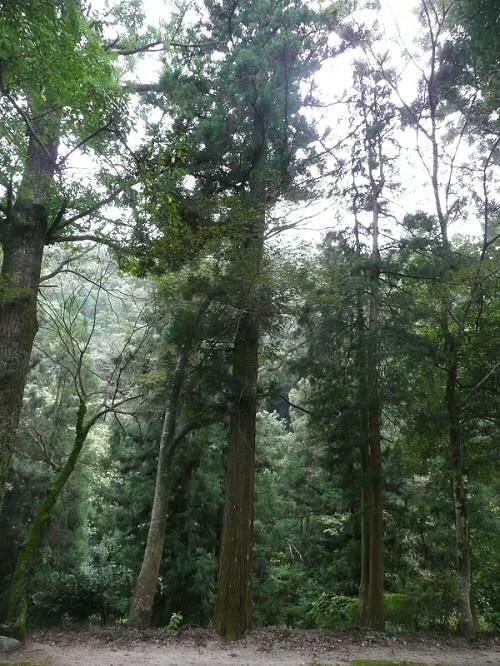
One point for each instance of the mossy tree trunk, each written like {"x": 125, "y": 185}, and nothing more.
{"x": 30, "y": 549}
{"x": 23, "y": 235}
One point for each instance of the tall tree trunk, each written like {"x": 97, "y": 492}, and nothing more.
{"x": 22, "y": 237}
{"x": 30, "y": 549}
{"x": 141, "y": 606}
{"x": 366, "y": 492}
{"x": 234, "y": 596}
{"x": 376, "y": 616}
{"x": 376, "y": 611}
{"x": 451, "y": 344}
{"x": 465, "y": 615}
{"x": 366, "y": 521}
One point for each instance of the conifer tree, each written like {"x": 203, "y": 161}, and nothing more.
{"x": 234, "y": 94}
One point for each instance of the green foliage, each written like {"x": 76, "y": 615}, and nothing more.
{"x": 76, "y": 73}
{"x": 404, "y": 611}
{"x": 176, "y": 620}
{"x": 474, "y": 26}
{"x": 234, "y": 141}
{"x": 333, "y": 612}
{"x": 98, "y": 590}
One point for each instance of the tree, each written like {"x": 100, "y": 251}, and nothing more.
{"x": 428, "y": 115}
{"x": 74, "y": 333}
{"x": 46, "y": 98}
{"x": 234, "y": 95}
{"x": 472, "y": 54}
{"x": 172, "y": 434}
{"x": 377, "y": 113}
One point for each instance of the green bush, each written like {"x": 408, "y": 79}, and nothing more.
{"x": 426, "y": 609}
{"x": 278, "y": 597}
{"x": 86, "y": 594}
{"x": 333, "y": 612}
{"x": 429, "y": 604}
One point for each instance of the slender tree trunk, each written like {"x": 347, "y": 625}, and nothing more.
{"x": 376, "y": 612}
{"x": 22, "y": 237}
{"x": 451, "y": 336}
{"x": 464, "y": 606}
{"x": 234, "y": 597}
{"x": 30, "y": 549}
{"x": 451, "y": 342}
{"x": 366, "y": 493}
{"x": 376, "y": 616}
{"x": 366, "y": 521}
{"x": 141, "y": 606}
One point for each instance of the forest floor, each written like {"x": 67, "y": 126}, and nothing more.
{"x": 119, "y": 646}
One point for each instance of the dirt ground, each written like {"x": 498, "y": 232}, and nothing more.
{"x": 118, "y": 646}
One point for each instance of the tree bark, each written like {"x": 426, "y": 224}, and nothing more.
{"x": 451, "y": 345}
{"x": 233, "y": 615}
{"x": 375, "y": 601}
{"x": 141, "y": 606}
{"x": 30, "y": 549}
{"x": 465, "y": 615}
{"x": 22, "y": 237}
{"x": 375, "y": 610}
{"x": 366, "y": 494}
{"x": 366, "y": 521}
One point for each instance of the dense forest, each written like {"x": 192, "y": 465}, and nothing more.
{"x": 250, "y": 315}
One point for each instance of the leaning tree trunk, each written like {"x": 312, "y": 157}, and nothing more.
{"x": 30, "y": 549}
{"x": 465, "y": 615}
{"x": 233, "y": 615}
{"x": 22, "y": 237}
{"x": 141, "y": 606}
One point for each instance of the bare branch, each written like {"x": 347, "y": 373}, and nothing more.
{"x": 65, "y": 262}
{"x": 82, "y": 142}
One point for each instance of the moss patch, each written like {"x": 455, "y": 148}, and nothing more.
{"x": 384, "y": 662}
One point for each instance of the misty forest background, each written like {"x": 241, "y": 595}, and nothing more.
{"x": 205, "y": 417}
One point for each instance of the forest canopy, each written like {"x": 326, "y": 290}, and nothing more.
{"x": 250, "y": 315}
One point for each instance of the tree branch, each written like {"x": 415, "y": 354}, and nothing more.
{"x": 64, "y": 263}
{"x": 85, "y": 140}
{"x": 481, "y": 382}
{"x": 302, "y": 409}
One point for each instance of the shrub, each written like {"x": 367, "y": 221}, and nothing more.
{"x": 87, "y": 593}
{"x": 333, "y": 612}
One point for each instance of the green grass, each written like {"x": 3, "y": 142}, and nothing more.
{"x": 370, "y": 662}
{"x": 384, "y": 662}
